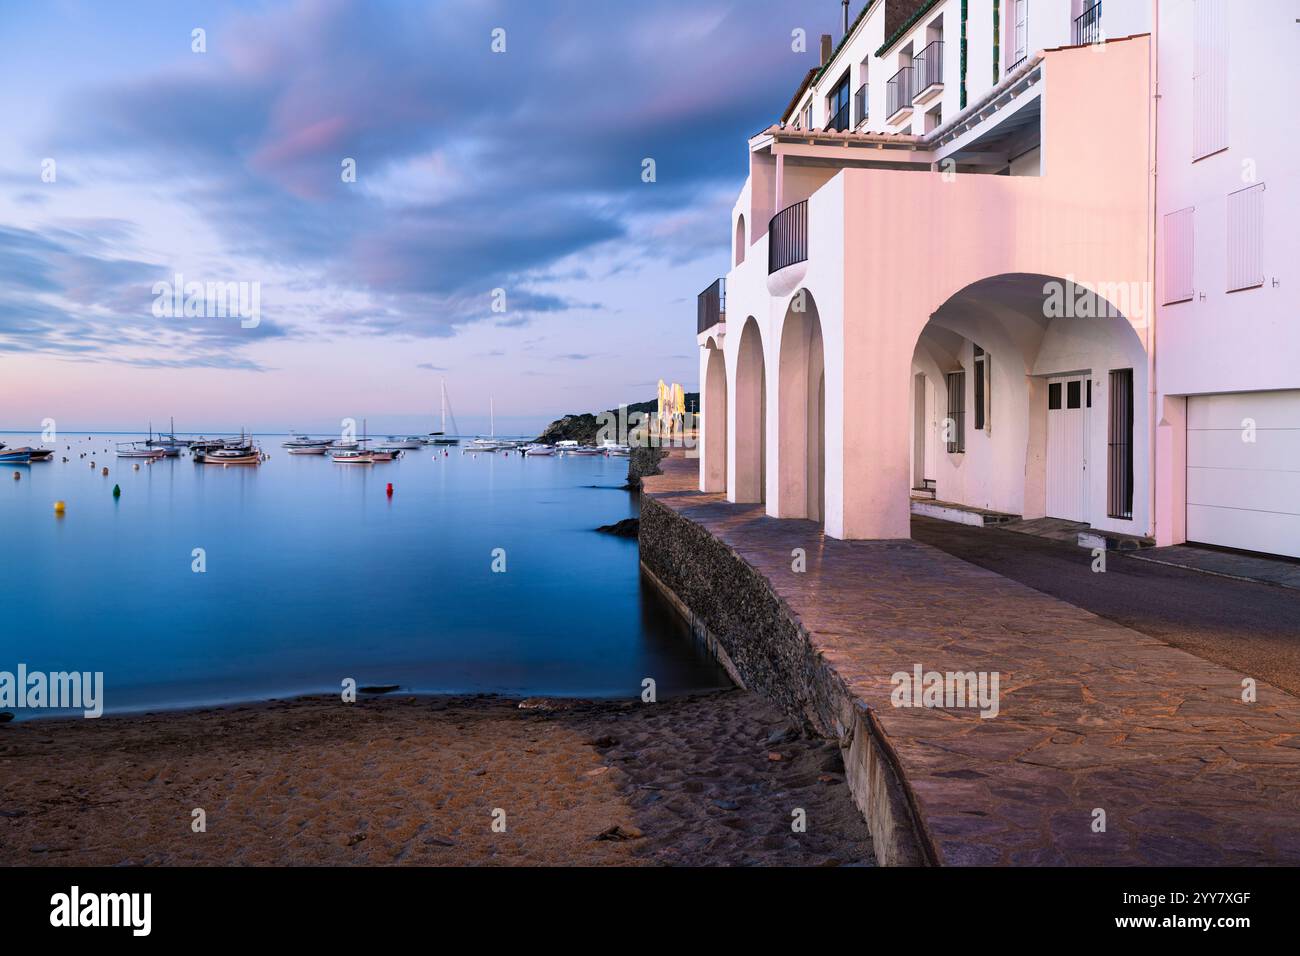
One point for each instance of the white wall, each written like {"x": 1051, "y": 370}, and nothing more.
{"x": 1246, "y": 340}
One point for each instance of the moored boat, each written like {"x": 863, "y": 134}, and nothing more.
{"x": 533, "y": 451}
{"x": 136, "y": 449}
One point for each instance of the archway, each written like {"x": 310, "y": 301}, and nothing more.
{"x": 715, "y": 420}
{"x": 802, "y": 423}
{"x": 1040, "y": 395}
{"x": 751, "y": 417}
{"x": 741, "y": 243}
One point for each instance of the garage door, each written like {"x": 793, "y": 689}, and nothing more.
{"x": 1243, "y": 488}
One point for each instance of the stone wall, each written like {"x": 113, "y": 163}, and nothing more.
{"x": 734, "y": 611}
{"x": 643, "y": 461}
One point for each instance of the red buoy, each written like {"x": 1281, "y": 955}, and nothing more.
{"x": 390, "y": 489}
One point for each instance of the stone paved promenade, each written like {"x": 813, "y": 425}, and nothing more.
{"x": 1093, "y": 715}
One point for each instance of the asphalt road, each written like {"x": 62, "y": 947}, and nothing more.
{"x": 1251, "y": 628}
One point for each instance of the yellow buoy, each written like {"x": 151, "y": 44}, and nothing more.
{"x": 59, "y": 507}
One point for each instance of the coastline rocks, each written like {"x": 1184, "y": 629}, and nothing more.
{"x": 620, "y": 833}
{"x": 5, "y": 716}
{"x": 627, "y": 528}
{"x": 378, "y": 688}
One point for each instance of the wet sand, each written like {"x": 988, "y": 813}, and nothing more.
{"x": 705, "y": 780}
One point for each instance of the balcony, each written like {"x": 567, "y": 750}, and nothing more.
{"x": 899, "y": 96}
{"x": 1087, "y": 26}
{"x": 711, "y": 307}
{"x": 860, "y": 106}
{"x": 787, "y": 235}
{"x": 927, "y": 73}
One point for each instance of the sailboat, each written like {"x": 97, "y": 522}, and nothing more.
{"x": 358, "y": 454}
{"x": 440, "y": 436}
{"x": 169, "y": 443}
{"x": 490, "y": 443}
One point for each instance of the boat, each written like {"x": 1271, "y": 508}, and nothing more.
{"x": 440, "y": 436}
{"x": 230, "y": 451}
{"x": 533, "y": 451}
{"x": 611, "y": 447}
{"x": 490, "y": 443}
{"x": 247, "y": 455}
{"x": 42, "y": 454}
{"x": 583, "y": 451}
{"x": 138, "y": 449}
{"x": 306, "y": 445}
{"x": 398, "y": 443}
{"x": 353, "y": 452}
{"x": 169, "y": 443}
{"x": 386, "y": 454}
{"x": 15, "y": 456}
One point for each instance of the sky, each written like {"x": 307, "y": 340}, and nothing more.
{"x": 475, "y": 171}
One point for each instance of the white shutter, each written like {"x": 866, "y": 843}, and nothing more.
{"x": 1180, "y": 255}
{"x": 1245, "y": 238}
{"x": 1209, "y": 78}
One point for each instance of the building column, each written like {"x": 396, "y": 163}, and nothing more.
{"x": 1171, "y": 471}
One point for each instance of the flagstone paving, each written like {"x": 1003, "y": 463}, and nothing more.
{"x": 1093, "y": 716}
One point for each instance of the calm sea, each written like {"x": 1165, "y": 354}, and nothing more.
{"x": 313, "y": 574}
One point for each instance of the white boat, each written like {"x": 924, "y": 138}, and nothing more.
{"x": 611, "y": 447}
{"x": 306, "y": 442}
{"x": 584, "y": 451}
{"x": 407, "y": 443}
{"x": 534, "y": 451}
{"x": 246, "y": 455}
{"x": 135, "y": 449}
{"x": 356, "y": 454}
{"x": 440, "y": 436}
{"x": 490, "y": 443}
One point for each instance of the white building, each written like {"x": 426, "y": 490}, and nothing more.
{"x": 944, "y": 262}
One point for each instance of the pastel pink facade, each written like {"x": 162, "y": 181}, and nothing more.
{"x": 957, "y": 310}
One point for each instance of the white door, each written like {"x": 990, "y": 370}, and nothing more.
{"x": 930, "y": 473}
{"x": 1068, "y": 400}
{"x": 1243, "y": 471}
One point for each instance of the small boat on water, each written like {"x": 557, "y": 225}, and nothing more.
{"x": 138, "y": 449}
{"x": 245, "y": 455}
{"x": 386, "y": 454}
{"x": 611, "y": 447}
{"x": 352, "y": 452}
{"x": 306, "y": 445}
{"x": 42, "y": 454}
{"x": 169, "y": 443}
{"x": 534, "y": 451}
{"x": 440, "y": 437}
{"x": 408, "y": 443}
{"x": 16, "y": 456}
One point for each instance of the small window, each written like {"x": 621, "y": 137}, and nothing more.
{"x": 1119, "y": 448}
{"x": 983, "y": 381}
{"x": 1054, "y": 396}
{"x": 1073, "y": 391}
{"x": 955, "y": 427}
{"x": 1090, "y": 393}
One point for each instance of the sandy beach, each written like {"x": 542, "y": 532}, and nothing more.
{"x": 704, "y": 780}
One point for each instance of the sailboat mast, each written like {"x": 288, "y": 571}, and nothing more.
{"x": 492, "y": 413}
{"x": 444, "y": 407}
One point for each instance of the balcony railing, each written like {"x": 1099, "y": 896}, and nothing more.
{"x": 1087, "y": 26}
{"x": 899, "y": 91}
{"x": 787, "y": 237}
{"x": 840, "y": 121}
{"x": 927, "y": 68}
{"x": 711, "y": 307}
{"x": 860, "y": 106}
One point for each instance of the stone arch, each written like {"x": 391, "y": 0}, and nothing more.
{"x": 750, "y": 460}
{"x": 714, "y": 422}
{"x": 1032, "y": 330}
{"x": 801, "y": 426}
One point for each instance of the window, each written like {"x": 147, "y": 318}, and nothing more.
{"x": 807, "y": 116}
{"x": 1020, "y": 48}
{"x": 1119, "y": 449}
{"x": 955, "y": 426}
{"x": 1245, "y": 238}
{"x": 1179, "y": 255}
{"x": 1209, "y": 78}
{"x": 1054, "y": 396}
{"x": 1074, "y": 394}
{"x": 837, "y": 106}
{"x": 983, "y": 389}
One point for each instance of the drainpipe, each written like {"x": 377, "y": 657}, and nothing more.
{"x": 1153, "y": 413}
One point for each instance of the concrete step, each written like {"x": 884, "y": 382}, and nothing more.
{"x": 1092, "y": 539}
{"x": 960, "y": 514}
